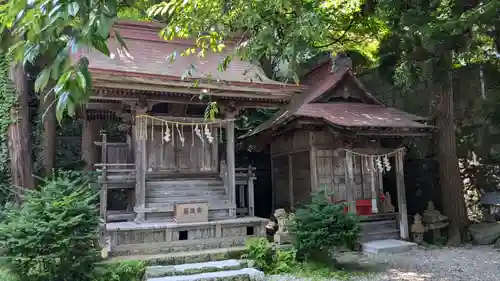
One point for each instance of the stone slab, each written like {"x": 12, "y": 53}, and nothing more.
{"x": 191, "y": 268}
{"x": 387, "y": 246}
{"x": 251, "y": 274}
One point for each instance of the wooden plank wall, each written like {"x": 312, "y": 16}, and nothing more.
{"x": 194, "y": 155}
{"x": 281, "y": 185}
{"x": 301, "y": 178}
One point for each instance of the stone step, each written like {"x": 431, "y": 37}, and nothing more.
{"x": 376, "y": 226}
{"x": 194, "y": 268}
{"x": 177, "y": 258}
{"x": 389, "y": 246}
{"x": 245, "y": 274}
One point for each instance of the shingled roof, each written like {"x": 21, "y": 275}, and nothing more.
{"x": 370, "y": 113}
{"x": 148, "y": 58}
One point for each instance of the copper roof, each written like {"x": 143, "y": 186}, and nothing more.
{"x": 148, "y": 56}
{"x": 361, "y": 115}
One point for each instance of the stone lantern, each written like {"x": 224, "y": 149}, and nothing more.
{"x": 417, "y": 229}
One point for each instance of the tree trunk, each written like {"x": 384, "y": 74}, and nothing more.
{"x": 49, "y": 134}
{"x": 452, "y": 194}
{"x": 19, "y": 134}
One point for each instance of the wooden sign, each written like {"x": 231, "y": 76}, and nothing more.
{"x": 191, "y": 212}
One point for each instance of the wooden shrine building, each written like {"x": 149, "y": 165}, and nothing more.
{"x": 178, "y": 167}
{"x": 337, "y": 137}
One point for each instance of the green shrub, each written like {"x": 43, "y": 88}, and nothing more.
{"x": 268, "y": 258}
{"x": 122, "y": 271}
{"x": 320, "y": 226}
{"x": 53, "y": 235}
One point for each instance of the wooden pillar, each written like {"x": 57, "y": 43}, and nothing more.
{"x": 290, "y": 182}
{"x": 90, "y": 135}
{"x": 251, "y": 197}
{"x": 350, "y": 185}
{"x": 373, "y": 186}
{"x": 400, "y": 181}
{"x": 231, "y": 162}
{"x": 103, "y": 205}
{"x": 140, "y": 135}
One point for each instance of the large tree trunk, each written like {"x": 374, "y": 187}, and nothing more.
{"x": 49, "y": 133}
{"x": 452, "y": 194}
{"x": 19, "y": 134}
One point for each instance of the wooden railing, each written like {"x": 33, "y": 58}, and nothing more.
{"x": 245, "y": 205}
{"x": 244, "y": 188}
{"x": 116, "y": 176}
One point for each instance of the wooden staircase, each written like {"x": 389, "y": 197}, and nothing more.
{"x": 379, "y": 227}
{"x": 163, "y": 193}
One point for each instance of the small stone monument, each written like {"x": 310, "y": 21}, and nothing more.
{"x": 386, "y": 205}
{"x": 282, "y": 236}
{"x": 434, "y": 221}
{"x": 417, "y": 229}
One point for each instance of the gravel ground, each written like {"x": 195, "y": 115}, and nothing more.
{"x": 478, "y": 263}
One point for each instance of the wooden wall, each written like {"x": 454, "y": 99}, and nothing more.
{"x": 300, "y": 177}
{"x": 306, "y": 161}
{"x": 192, "y": 156}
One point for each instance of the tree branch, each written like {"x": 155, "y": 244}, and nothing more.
{"x": 351, "y": 24}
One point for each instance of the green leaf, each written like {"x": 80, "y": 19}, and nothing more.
{"x": 42, "y": 80}
{"x": 104, "y": 26}
{"x": 73, "y": 8}
{"x": 82, "y": 81}
{"x": 101, "y": 45}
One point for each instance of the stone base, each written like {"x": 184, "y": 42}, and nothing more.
{"x": 390, "y": 246}
{"x": 128, "y": 238}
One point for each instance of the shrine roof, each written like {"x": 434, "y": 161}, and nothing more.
{"x": 361, "y": 115}
{"x": 367, "y": 113}
{"x": 148, "y": 59}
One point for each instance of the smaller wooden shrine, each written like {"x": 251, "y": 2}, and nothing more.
{"x": 339, "y": 138}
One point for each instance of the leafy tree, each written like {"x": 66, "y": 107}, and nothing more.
{"x": 271, "y": 32}
{"x": 428, "y": 39}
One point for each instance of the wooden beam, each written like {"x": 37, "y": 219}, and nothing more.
{"x": 400, "y": 183}
{"x": 226, "y": 90}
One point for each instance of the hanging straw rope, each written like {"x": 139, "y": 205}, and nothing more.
{"x": 185, "y": 123}
{"x": 392, "y": 153}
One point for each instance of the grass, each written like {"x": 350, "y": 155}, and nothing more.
{"x": 318, "y": 271}
{"x": 5, "y": 275}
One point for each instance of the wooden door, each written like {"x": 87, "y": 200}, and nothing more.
{"x": 183, "y": 153}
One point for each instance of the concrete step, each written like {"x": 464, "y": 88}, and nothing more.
{"x": 389, "y": 246}
{"x": 250, "y": 274}
{"x": 376, "y": 226}
{"x": 194, "y": 268}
